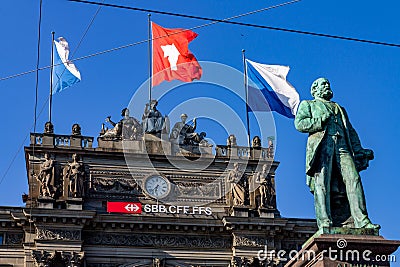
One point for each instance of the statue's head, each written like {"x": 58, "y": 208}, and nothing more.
{"x": 256, "y": 142}
{"x": 75, "y": 157}
{"x": 125, "y": 112}
{"x": 321, "y": 88}
{"x": 76, "y": 129}
{"x": 153, "y": 104}
{"x": 48, "y": 128}
{"x": 183, "y": 117}
{"x": 231, "y": 141}
{"x": 46, "y": 155}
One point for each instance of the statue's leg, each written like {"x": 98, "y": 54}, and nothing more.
{"x": 322, "y": 178}
{"x": 352, "y": 181}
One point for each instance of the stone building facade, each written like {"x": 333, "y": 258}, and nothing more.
{"x": 182, "y": 204}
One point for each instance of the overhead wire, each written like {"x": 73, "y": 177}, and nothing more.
{"x": 145, "y": 41}
{"x": 118, "y": 48}
{"x": 37, "y": 115}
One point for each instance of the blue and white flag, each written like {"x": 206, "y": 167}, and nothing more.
{"x": 268, "y": 89}
{"x": 65, "y": 73}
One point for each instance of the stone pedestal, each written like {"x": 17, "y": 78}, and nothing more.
{"x": 76, "y": 141}
{"x": 133, "y": 146}
{"x": 155, "y": 145}
{"x": 240, "y": 211}
{"x": 267, "y": 213}
{"x": 46, "y": 202}
{"x": 48, "y": 140}
{"x": 74, "y": 203}
{"x": 345, "y": 250}
{"x": 109, "y": 144}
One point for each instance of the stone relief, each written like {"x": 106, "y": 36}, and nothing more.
{"x": 152, "y": 240}
{"x": 14, "y": 238}
{"x": 72, "y": 259}
{"x": 57, "y": 234}
{"x": 43, "y": 258}
{"x": 249, "y": 241}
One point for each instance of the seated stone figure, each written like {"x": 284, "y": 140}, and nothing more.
{"x": 184, "y": 134}
{"x": 153, "y": 121}
{"x": 128, "y": 128}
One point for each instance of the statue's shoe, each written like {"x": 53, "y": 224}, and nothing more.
{"x": 372, "y": 226}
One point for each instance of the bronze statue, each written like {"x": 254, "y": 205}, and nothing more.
{"x": 46, "y": 176}
{"x": 333, "y": 160}
{"x": 73, "y": 175}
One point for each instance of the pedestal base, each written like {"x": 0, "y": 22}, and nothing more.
{"x": 340, "y": 250}
{"x": 46, "y": 203}
{"x": 74, "y": 203}
{"x": 240, "y": 211}
{"x": 267, "y": 213}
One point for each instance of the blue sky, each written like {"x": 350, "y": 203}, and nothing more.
{"x": 364, "y": 78}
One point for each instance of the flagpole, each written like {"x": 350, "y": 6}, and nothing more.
{"x": 150, "y": 42}
{"x": 246, "y": 94}
{"x": 51, "y": 74}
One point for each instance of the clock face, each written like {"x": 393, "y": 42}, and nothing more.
{"x": 157, "y": 186}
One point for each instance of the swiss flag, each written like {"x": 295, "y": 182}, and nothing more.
{"x": 171, "y": 56}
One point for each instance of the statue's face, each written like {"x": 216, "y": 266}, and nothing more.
{"x": 183, "y": 118}
{"x": 324, "y": 89}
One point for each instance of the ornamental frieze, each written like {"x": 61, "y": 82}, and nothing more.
{"x": 58, "y": 234}
{"x": 250, "y": 241}
{"x": 152, "y": 240}
{"x": 13, "y": 238}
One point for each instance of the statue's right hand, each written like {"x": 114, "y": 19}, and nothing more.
{"x": 108, "y": 119}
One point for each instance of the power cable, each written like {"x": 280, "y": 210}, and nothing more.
{"x": 242, "y": 24}
{"x": 36, "y": 116}
{"x": 145, "y": 41}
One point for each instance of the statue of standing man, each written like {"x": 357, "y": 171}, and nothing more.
{"x": 333, "y": 160}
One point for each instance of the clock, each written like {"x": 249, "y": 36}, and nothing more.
{"x": 157, "y": 186}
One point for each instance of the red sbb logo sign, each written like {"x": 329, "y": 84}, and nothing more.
{"x": 125, "y": 207}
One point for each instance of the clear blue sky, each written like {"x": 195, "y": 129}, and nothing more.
{"x": 364, "y": 77}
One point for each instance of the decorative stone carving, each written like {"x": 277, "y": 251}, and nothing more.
{"x": 57, "y": 234}
{"x": 256, "y": 142}
{"x": 115, "y": 185}
{"x": 73, "y": 176}
{"x": 157, "y": 262}
{"x": 48, "y": 128}
{"x": 46, "y": 177}
{"x": 128, "y": 128}
{"x": 43, "y": 258}
{"x": 14, "y": 238}
{"x": 76, "y": 130}
{"x": 249, "y": 241}
{"x": 203, "y": 190}
{"x": 231, "y": 141}
{"x": 72, "y": 259}
{"x": 237, "y": 186}
{"x": 240, "y": 262}
{"x": 152, "y": 240}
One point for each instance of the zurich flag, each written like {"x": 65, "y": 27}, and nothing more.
{"x": 65, "y": 73}
{"x": 268, "y": 89}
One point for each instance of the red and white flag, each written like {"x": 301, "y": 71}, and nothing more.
{"x": 171, "y": 56}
